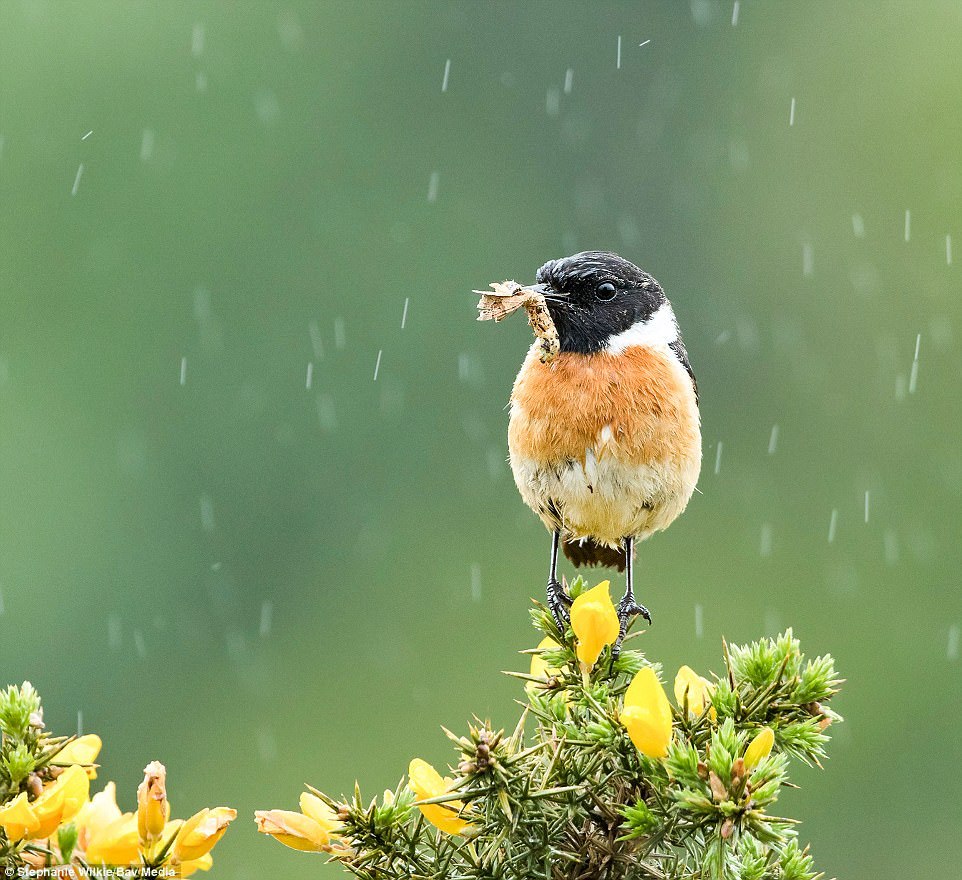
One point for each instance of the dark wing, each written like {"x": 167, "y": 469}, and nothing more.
{"x": 678, "y": 347}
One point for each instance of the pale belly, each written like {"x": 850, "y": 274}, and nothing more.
{"x": 605, "y": 447}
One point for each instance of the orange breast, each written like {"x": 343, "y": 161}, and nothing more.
{"x": 637, "y": 405}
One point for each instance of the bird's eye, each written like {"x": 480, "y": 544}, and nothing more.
{"x": 606, "y": 291}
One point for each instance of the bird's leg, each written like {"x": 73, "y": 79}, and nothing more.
{"x": 628, "y": 608}
{"x": 558, "y": 600}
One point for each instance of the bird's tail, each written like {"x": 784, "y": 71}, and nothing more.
{"x": 587, "y": 552}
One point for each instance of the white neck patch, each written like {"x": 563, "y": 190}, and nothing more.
{"x": 660, "y": 329}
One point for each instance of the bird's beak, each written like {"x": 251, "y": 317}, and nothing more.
{"x": 547, "y": 291}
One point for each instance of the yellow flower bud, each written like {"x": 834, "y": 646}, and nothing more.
{"x": 200, "y": 833}
{"x": 427, "y": 783}
{"x": 115, "y": 843}
{"x": 699, "y": 691}
{"x": 595, "y": 623}
{"x": 60, "y": 801}
{"x": 153, "y": 810}
{"x": 83, "y": 750}
{"x": 18, "y": 819}
{"x": 293, "y": 829}
{"x": 759, "y": 748}
{"x": 647, "y": 714}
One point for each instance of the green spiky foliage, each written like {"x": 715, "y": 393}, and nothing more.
{"x": 568, "y": 795}
{"x": 28, "y": 755}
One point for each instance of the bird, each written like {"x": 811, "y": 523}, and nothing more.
{"x": 604, "y": 440}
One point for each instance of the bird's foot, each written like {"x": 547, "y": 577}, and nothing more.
{"x": 559, "y": 602}
{"x": 628, "y": 610}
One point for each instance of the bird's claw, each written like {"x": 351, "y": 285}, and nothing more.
{"x": 628, "y": 610}
{"x": 559, "y": 602}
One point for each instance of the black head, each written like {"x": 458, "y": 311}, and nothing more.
{"x": 594, "y": 296}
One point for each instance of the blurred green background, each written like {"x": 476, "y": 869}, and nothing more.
{"x": 264, "y": 583}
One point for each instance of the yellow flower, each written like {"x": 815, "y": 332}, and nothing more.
{"x": 60, "y": 801}
{"x": 311, "y": 805}
{"x": 200, "y": 833}
{"x": 185, "y": 869}
{"x": 647, "y": 714}
{"x": 153, "y": 810}
{"x": 83, "y": 750}
{"x": 595, "y": 623}
{"x": 759, "y": 748}
{"x": 539, "y": 666}
{"x": 97, "y": 814}
{"x": 427, "y": 783}
{"x": 293, "y": 829}
{"x": 18, "y": 819}
{"x": 115, "y": 843}
{"x": 699, "y": 692}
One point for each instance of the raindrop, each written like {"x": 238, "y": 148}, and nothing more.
{"x": 340, "y": 334}
{"x": 475, "y": 582}
{"x": 139, "y": 643}
{"x": 552, "y": 103}
{"x": 908, "y": 224}
{"x": 404, "y": 314}
{"x": 718, "y": 455}
{"x": 114, "y": 632}
{"x": 891, "y": 547}
{"x": 377, "y": 363}
{"x": 735, "y": 14}
{"x": 80, "y": 722}
{"x": 197, "y": 40}
{"x": 289, "y": 30}
{"x": 832, "y": 526}
{"x": 1, "y": 602}
{"x": 858, "y": 226}
{"x": 866, "y": 505}
{"x": 183, "y": 371}
{"x": 569, "y": 80}
{"x": 641, "y": 45}
{"x": 267, "y": 618}
{"x": 317, "y": 344}
{"x": 952, "y": 648}
{"x": 200, "y": 81}
{"x": 325, "y": 413}
{"x": 913, "y": 377}
{"x": 791, "y": 113}
{"x": 207, "y": 512}
{"x": 266, "y": 106}
{"x": 447, "y": 74}
{"x": 808, "y": 260}
{"x": 948, "y": 250}
{"x": 773, "y": 440}
{"x": 267, "y": 745}
{"x": 309, "y": 381}
{"x": 147, "y": 145}
{"x": 765, "y": 548}
{"x": 433, "y": 187}
{"x": 87, "y": 135}
{"x": 699, "y": 620}
{"x": 76, "y": 180}
{"x": 618, "y": 61}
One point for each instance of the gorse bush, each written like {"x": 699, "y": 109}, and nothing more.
{"x": 49, "y": 824}
{"x": 603, "y": 777}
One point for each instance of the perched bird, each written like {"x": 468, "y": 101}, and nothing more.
{"x": 604, "y": 440}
